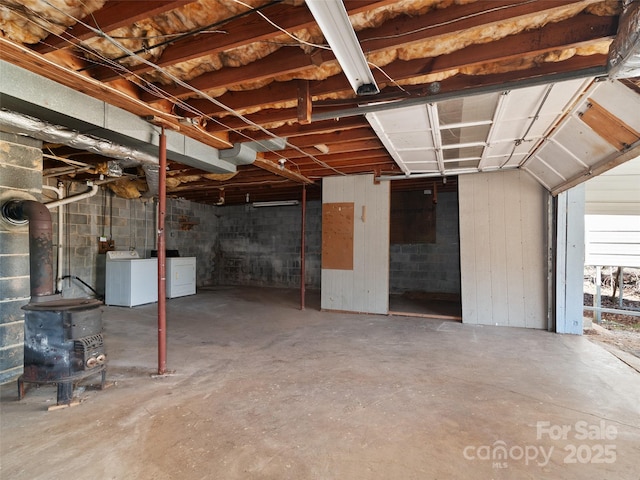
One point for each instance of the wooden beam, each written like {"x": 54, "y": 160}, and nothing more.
{"x": 304, "y": 102}
{"x": 282, "y": 63}
{"x": 297, "y": 130}
{"x": 114, "y": 14}
{"x": 247, "y": 29}
{"x": 39, "y": 64}
{"x": 337, "y": 136}
{"x": 273, "y": 167}
{"x": 578, "y": 31}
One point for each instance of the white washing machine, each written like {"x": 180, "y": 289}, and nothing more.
{"x": 130, "y": 280}
{"x": 181, "y": 276}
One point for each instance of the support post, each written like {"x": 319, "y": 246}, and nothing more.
{"x": 302, "y": 245}
{"x": 162, "y": 208}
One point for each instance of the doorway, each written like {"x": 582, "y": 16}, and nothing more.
{"x": 424, "y": 249}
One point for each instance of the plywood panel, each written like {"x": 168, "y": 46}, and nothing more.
{"x": 497, "y": 251}
{"x": 533, "y": 222}
{"x": 337, "y": 236}
{"x": 514, "y": 253}
{"x": 377, "y": 214}
{"x": 467, "y": 250}
{"x": 609, "y": 127}
{"x": 502, "y": 249}
{"x": 364, "y": 288}
{"x": 482, "y": 240}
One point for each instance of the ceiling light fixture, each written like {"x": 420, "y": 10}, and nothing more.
{"x": 332, "y": 18}
{"x": 277, "y": 203}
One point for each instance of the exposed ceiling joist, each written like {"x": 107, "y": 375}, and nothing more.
{"x": 221, "y": 74}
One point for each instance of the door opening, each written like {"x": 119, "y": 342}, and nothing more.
{"x": 424, "y": 257}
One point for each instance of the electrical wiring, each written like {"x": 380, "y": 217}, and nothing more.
{"x": 152, "y": 89}
{"x": 388, "y": 77}
{"x": 286, "y": 32}
{"x": 155, "y": 90}
{"x": 191, "y": 33}
{"x": 208, "y": 97}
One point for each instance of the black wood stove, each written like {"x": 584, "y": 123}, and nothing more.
{"x": 63, "y": 340}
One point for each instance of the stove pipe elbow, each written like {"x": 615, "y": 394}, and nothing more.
{"x": 40, "y": 243}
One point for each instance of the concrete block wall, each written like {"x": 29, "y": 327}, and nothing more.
{"x": 20, "y": 178}
{"x": 130, "y": 223}
{"x": 233, "y": 245}
{"x": 261, "y": 246}
{"x": 430, "y": 267}
{"x": 192, "y": 229}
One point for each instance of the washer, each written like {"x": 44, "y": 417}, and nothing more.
{"x": 130, "y": 280}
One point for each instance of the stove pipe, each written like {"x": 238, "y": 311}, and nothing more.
{"x": 40, "y": 243}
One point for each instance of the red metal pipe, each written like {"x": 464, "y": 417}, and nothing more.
{"x": 162, "y": 302}
{"x": 302, "y": 235}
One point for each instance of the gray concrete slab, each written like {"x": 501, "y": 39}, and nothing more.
{"x": 262, "y": 390}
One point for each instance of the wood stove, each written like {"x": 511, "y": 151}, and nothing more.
{"x": 63, "y": 344}
{"x": 63, "y": 340}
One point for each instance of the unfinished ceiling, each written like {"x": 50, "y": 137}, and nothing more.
{"x": 464, "y": 85}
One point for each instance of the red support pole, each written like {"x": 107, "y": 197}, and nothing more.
{"x": 162, "y": 209}
{"x": 303, "y": 230}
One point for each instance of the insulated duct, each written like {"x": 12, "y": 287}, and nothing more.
{"x": 21, "y": 124}
{"x": 152, "y": 174}
{"x": 624, "y": 54}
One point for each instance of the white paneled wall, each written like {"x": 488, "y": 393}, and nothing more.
{"x": 503, "y": 250}
{"x": 366, "y": 287}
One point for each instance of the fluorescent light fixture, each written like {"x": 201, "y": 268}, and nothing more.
{"x": 277, "y": 203}
{"x": 333, "y": 20}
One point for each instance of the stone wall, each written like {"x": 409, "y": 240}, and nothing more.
{"x": 430, "y": 267}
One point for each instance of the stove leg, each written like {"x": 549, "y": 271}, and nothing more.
{"x": 20, "y": 388}
{"x": 65, "y": 393}
{"x": 103, "y": 382}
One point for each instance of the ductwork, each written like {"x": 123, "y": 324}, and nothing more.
{"x": 20, "y": 124}
{"x": 152, "y": 174}
{"x": 40, "y": 243}
{"x": 624, "y": 54}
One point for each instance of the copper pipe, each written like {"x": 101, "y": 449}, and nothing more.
{"x": 40, "y": 242}
{"x": 162, "y": 303}
{"x": 302, "y": 257}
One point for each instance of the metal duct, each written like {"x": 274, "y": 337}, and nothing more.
{"x": 20, "y": 124}
{"x": 624, "y": 54}
{"x": 40, "y": 243}
{"x": 240, "y": 154}
{"x": 152, "y": 174}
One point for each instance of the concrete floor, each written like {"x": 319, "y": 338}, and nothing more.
{"x": 262, "y": 390}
